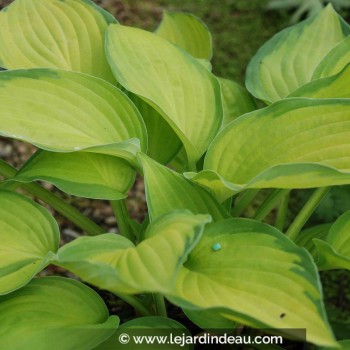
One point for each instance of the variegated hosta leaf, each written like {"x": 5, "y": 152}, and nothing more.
{"x": 29, "y": 239}
{"x": 112, "y": 262}
{"x": 334, "y": 61}
{"x": 235, "y": 100}
{"x": 253, "y": 274}
{"x": 295, "y": 143}
{"x": 65, "y": 34}
{"x": 289, "y": 59}
{"x": 336, "y": 86}
{"x": 334, "y": 250}
{"x": 81, "y": 174}
{"x": 185, "y": 93}
{"x": 65, "y": 111}
{"x": 54, "y": 313}
{"x": 163, "y": 143}
{"x": 167, "y": 190}
{"x": 149, "y": 326}
{"x": 188, "y": 32}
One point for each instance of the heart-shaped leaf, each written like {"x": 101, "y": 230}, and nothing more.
{"x": 188, "y": 32}
{"x": 289, "y": 59}
{"x": 235, "y": 100}
{"x": 334, "y": 61}
{"x": 167, "y": 190}
{"x": 81, "y": 174}
{"x": 336, "y": 86}
{"x": 334, "y": 250}
{"x": 29, "y": 239}
{"x": 54, "y": 313}
{"x": 166, "y": 78}
{"x": 55, "y": 34}
{"x": 253, "y": 274}
{"x": 65, "y": 111}
{"x": 112, "y": 262}
{"x": 147, "y": 327}
{"x": 295, "y": 143}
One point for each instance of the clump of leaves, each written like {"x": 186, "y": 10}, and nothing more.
{"x": 103, "y": 102}
{"x": 308, "y": 8}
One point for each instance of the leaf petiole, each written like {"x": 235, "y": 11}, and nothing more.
{"x": 122, "y": 215}
{"x": 160, "y": 305}
{"x": 55, "y": 202}
{"x": 242, "y": 203}
{"x": 136, "y": 303}
{"x": 305, "y": 213}
{"x": 270, "y": 203}
{"x": 282, "y": 213}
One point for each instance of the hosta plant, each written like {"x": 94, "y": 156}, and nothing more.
{"x": 103, "y": 102}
